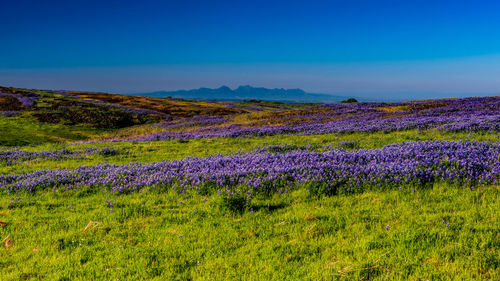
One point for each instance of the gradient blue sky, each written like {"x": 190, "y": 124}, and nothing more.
{"x": 389, "y": 49}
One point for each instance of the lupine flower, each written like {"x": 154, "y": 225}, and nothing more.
{"x": 394, "y": 165}
{"x": 467, "y": 114}
{"x": 14, "y": 156}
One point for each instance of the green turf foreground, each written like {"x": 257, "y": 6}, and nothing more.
{"x": 439, "y": 233}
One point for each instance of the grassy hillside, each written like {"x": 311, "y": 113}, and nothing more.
{"x": 29, "y": 116}
{"x": 112, "y": 187}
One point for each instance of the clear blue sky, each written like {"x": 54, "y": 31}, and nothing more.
{"x": 386, "y": 48}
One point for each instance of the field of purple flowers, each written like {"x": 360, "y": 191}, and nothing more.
{"x": 17, "y": 156}
{"x": 332, "y": 170}
{"x": 468, "y": 114}
{"x": 411, "y": 164}
{"x": 177, "y": 191}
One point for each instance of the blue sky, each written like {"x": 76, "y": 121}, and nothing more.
{"x": 407, "y": 49}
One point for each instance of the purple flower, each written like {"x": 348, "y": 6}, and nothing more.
{"x": 467, "y": 114}
{"x": 397, "y": 164}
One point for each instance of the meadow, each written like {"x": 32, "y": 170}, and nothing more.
{"x": 96, "y": 186}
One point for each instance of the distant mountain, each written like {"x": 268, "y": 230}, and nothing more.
{"x": 225, "y": 93}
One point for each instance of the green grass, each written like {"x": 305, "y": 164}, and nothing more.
{"x": 24, "y": 130}
{"x": 152, "y": 236}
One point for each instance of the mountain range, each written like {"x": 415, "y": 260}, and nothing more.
{"x": 225, "y": 93}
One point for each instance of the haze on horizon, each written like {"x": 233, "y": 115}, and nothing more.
{"x": 382, "y": 49}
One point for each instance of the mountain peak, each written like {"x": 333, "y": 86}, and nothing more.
{"x": 247, "y": 92}
{"x": 224, "y": 88}
{"x": 245, "y": 87}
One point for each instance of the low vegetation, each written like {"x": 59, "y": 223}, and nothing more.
{"x": 169, "y": 189}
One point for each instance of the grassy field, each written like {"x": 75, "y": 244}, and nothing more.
{"x": 436, "y": 231}
{"x": 439, "y": 233}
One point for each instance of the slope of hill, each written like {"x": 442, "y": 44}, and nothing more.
{"x": 170, "y": 189}
{"x": 31, "y": 116}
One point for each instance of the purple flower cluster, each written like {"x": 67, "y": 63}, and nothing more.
{"x": 14, "y": 156}
{"x": 401, "y": 164}
{"x": 26, "y": 101}
{"x": 469, "y": 114}
{"x": 195, "y": 121}
{"x": 8, "y": 113}
{"x": 474, "y": 124}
